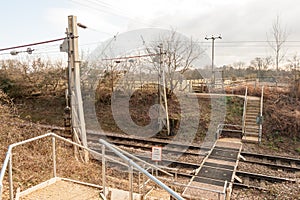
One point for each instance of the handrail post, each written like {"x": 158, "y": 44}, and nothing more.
{"x": 261, "y": 113}
{"x": 244, "y": 111}
{"x": 103, "y": 169}
{"x": 11, "y": 187}
{"x": 144, "y": 184}
{"x": 175, "y": 180}
{"x": 139, "y": 168}
{"x": 224, "y": 190}
{"x": 130, "y": 172}
{"x": 139, "y": 183}
{"x": 54, "y": 156}
{"x": 1, "y": 186}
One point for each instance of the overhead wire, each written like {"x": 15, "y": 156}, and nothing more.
{"x": 109, "y": 11}
{"x": 32, "y": 44}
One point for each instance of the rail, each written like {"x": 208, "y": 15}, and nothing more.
{"x": 244, "y": 111}
{"x": 261, "y": 114}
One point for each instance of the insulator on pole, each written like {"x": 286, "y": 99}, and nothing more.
{"x": 14, "y": 52}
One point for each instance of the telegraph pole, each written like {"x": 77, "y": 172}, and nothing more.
{"x": 74, "y": 90}
{"x": 213, "y": 55}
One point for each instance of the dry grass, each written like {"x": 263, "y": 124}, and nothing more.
{"x": 32, "y": 162}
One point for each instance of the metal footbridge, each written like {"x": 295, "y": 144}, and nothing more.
{"x": 215, "y": 176}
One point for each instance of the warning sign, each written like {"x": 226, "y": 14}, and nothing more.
{"x": 156, "y": 153}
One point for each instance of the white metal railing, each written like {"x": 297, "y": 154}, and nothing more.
{"x": 9, "y": 155}
{"x": 261, "y": 114}
{"x": 244, "y": 111}
{"x": 128, "y": 162}
{"x": 131, "y": 165}
{"x": 146, "y": 166}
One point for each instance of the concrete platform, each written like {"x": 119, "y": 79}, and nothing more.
{"x": 64, "y": 190}
{"x": 57, "y": 189}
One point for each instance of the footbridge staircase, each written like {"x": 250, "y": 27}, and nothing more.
{"x": 252, "y": 118}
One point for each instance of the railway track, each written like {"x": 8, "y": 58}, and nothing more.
{"x": 146, "y": 143}
{"x": 273, "y": 162}
{"x": 187, "y": 169}
{"x": 250, "y": 180}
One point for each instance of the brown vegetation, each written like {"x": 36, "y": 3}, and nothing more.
{"x": 32, "y": 163}
{"x": 40, "y": 100}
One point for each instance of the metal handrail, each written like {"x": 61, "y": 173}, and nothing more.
{"x": 8, "y": 159}
{"x": 132, "y": 164}
{"x": 261, "y": 113}
{"x": 244, "y": 111}
{"x": 151, "y": 166}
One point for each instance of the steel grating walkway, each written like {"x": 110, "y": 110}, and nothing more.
{"x": 214, "y": 178}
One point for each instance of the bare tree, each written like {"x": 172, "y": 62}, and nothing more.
{"x": 178, "y": 57}
{"x": 111, "y": 73}
{"x": 128, "y": 81}
{"x": 278, "y": 38}
{"x": 239, "y": 66}
{"x": 261, "y": 64}
{"x": 34, "y": 76}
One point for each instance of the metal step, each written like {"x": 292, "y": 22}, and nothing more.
{"x": 252, "y": 112}
{"x": 251, "y": 129}
{"x": 250, "y": 119}
{"x": 248, "y": 126}
{"x": 209, "y": 181}
{"x": 251, "y": 134}
{"x": 250, "y": 139}
{"x": 251, "y": 122}
{"x": 215, "y": 173}
{"x": 252, "y": 116}
{"x": 253, "y": 105}
{"x": 252, "y": 109}
{"x": 251, "y": 125}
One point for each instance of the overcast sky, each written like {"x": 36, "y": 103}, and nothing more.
{"x": 30, "y": 21}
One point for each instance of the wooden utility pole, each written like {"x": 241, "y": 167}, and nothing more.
{"x": 74, "y": 90}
